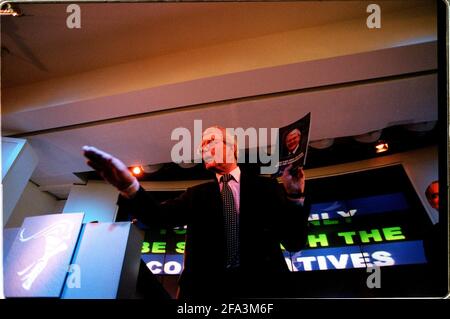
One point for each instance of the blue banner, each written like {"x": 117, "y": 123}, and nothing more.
{"x": 164, "y": 264}
{"x": 359, "y": 206}
{"x": 389, "y": 254}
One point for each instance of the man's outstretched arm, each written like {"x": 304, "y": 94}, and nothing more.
{"x": 112, "y": 170}
{"x": 133, "y": 198}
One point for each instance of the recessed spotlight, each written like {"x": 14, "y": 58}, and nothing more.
{"x": 187, "y": 165}
{"x": 421, "y": 127}
{"x": 7, "y": 9}
{"x": 137, "y": 170}
{"x": 370, "y": 137}
{"x": 152, "y": 168}
{"x": 322, "y": 144}
{"x": 381, "y": 147}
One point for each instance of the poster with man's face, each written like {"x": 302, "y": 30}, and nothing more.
{"x": 293, "y": 143}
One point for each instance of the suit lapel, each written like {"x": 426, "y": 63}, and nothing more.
{"x": 217, "y": 221}
{"x": 216, "y": 199}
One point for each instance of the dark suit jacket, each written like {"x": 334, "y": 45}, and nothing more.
{"x": 266, "y": 219}
{"x": 285, "y": 153}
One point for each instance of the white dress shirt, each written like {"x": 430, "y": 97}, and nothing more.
{"x": 295, "y": 150}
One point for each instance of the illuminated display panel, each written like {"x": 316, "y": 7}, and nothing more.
{"x": 357, "y": 220}
{"x": 373, "y": 224}
{"x": 359, "y": 233}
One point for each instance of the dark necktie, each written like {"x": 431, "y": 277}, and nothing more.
{"x": 231, "y": 221}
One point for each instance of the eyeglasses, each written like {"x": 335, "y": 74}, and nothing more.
{"x": 207, "y": 145}
{"x": 211, "y": 143}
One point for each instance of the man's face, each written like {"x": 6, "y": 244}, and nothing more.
{"x": 217, "y": 153}
{"x": 433, "y": 195}
{"x": 292, "y": 140}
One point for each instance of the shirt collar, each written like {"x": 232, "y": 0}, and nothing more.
{"x": 236, "y": 173}
{"x": 295, "y": 150}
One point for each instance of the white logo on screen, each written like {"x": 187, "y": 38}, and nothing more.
{"x": 55, "y": 237}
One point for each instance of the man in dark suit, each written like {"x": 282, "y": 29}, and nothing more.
{"x": 235, "y": 224}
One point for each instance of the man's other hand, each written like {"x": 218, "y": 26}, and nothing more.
{"x": 293, "y": 184}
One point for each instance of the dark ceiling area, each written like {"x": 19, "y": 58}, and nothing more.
{"x": 343, "y": 150}
{"x": 346, "y": 149}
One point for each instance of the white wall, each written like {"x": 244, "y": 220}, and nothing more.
{"x": 18, "y": 161}
{"x": 33, "y": 202}
{"x": 97, "y": 200}
{"x": 59, "y": 207}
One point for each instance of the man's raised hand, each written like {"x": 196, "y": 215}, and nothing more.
{"x": 113, "y": 170}
{"x": 293, "y": 184}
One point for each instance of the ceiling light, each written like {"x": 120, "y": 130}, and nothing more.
{"x": 381, "y": 147}
{"x": 137, "y": 170}
{"x": 7, "y": 9}
{"x": 187, "y": 165}
{"x": 322, "y": 144}
{"x": 370, "y": 137}
{"x": 152, "y": 168}
{"x": 421, "y": 127}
